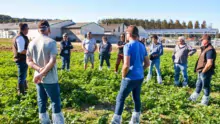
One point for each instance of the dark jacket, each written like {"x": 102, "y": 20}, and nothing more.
{"x": 201, "y": 62}
{"x": 65, "y": 48}
{"x": 17, "y": 56}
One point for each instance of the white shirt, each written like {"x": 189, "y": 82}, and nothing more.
{"x": 90, "y": 44}
{"x": 20, "y": 43}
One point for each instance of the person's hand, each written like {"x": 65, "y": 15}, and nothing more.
{"x": 155, "y": 55}
{"x": 38, "y": 78}
{"x": 86, "y": 51}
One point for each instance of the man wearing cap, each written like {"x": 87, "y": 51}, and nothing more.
{"x": 41, "y": 56}
{"x": 65, "y": 53}
{"x": 180, "y": 59}
{"x": 20, "y": 44}
{"x": 156, "y": 50}
{"x": 120, "y": 46}
{"x": 89, "y": 46}
{"x": 205, "y": 67}
{"x": 135, "y": 62}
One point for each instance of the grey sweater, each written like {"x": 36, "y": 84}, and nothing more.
{"x": 180, "y": 54}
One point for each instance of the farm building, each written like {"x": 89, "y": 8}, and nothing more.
{"x": 114, "y": 29}
{"x": 182, "y": 31}
{"x": 9, "y": 30}
{"x": 78, "y": 31}
{"x": 142, "y": 32}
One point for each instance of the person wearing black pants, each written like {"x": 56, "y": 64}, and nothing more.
{"x": 105, "y": 49}
{"x": 65, "y": 47}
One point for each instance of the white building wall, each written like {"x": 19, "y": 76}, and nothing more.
{"x": 92, "y": 27}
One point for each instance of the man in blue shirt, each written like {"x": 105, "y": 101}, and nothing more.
{"x": 156, "y": 50}
{"x": 135, "y": 62}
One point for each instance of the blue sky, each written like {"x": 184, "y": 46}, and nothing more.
{"x": 93, "y": 10}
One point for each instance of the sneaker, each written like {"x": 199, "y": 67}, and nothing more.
{"x": 58, "y": 118}
{"x": 44, "y": 118}
{"x": 100, "y": 68}
{"x": 185, "y": 84}
{"x": 116, "y": 119}
{"x": 68, "y": 70}
{"x": 116, "y": 72}
{"x": 135, "y": 119}
{"x": 205, "y": 100}
{"x": 193, "y": 97}
{"x": 109, "y": 68}
{"x": 159, "y": 80}
{"x": 176, "y": 83}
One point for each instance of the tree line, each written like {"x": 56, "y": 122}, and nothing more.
{"x": 9, "y": 19}
{"x": 156, "y": 24}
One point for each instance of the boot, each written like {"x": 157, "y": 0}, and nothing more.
{"x": 116, "y": 119}
{"x": 194, "y": 97}
{"x": 176, "y": 83}
{"x": 58, "y": 118}
{"x": 44, "y": 118}
{"x": 205, "y": 100}
{"x": 135, "y": 119}
{"x": 159, "y": 80}
{"x": 21, "y": 89}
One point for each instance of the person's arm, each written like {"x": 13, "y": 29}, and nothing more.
{"x": 208, "y": 65}
{"x": 95, "y": 46}
{"x": 83, "y": 47}
{"x": 99, "y": 47}
{"x": 21, "y": 45}
{"x": 126, "y": 66}
{"x": 191, "y": 50}
{"x": 71, "y": 46}
{"x": 174, "y": 52}
{"x": 110, "y": 50}
{"x": 210, "y": 56}
{"x": 32, "y": 65}
{"x": 146, "y": 62}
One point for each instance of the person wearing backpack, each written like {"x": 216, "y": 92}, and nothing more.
{"x": 105, "y": 49}
{"x": 180, "y": 59}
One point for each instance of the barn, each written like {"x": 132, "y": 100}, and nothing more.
{"x": 9, "y": 30}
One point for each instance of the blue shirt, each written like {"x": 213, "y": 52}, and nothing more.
{"x": 156, "y": 49}
{"x": 137, "y": 53}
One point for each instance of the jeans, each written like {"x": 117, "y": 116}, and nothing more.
{"x": 53, "y": 92}
{"x": 155, "y": 62}
{"x": 106, "y": 58}
{"x": 65, "y": 61}
{"x": 128, "y": 86}
{"x": 22, "y": 72}
{"x": 183, "y": 69}
{"x": 203, "y": 82}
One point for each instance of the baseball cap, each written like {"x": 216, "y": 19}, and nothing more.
{"x": 43, "y": 25}
{"x": 133, "y": 30}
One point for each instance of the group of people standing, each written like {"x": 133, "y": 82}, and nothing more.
{"x": 40, "y": 55}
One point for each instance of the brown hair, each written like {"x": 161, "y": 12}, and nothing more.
{"x": 23, "y": 26}
{"x": 104, "y": 37}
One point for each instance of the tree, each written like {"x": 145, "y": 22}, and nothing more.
{"x": 171, "y": 24}
{"x": 164, "y": 24}
{"x": 178, "y": 25}
{"x": 196, "y": 26}
{"x": 203, "y": 25}
{"x": 190, "y": 25}
{"x": 158, "y": 24}
{"x": 184, "y": 25}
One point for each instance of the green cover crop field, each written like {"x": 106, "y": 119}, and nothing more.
{"x": 88, "y": 97}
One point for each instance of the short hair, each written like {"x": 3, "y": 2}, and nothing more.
{"x": 133, "y": 30}
{"x": 43, "y": 25}
{"x": 181, "y": 38}
{"x": 89, "y": 32}
{"x": 23, "y": 26}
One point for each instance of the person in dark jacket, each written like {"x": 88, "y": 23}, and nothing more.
{"x": 65, "y": 52}
{"x": 105, "y": 49}
{"x": 20, "y": 45}
{"x": 205, "y": 67}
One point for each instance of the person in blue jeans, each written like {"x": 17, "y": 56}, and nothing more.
{"x": 20, "y": 44}
{"x": 41, "y": 56}
{"x": 135, "y": 54}
{"x": 205, "y": 67}
{"x": 180, "y": 59}
{"x": 156, "y": 50}
{"x": 105, "y": 49}
{"x": 65, "y": 52}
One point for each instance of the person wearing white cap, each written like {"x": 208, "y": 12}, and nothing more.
{"x": 180, "y": 58}
{"x": 65, "y": 52}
